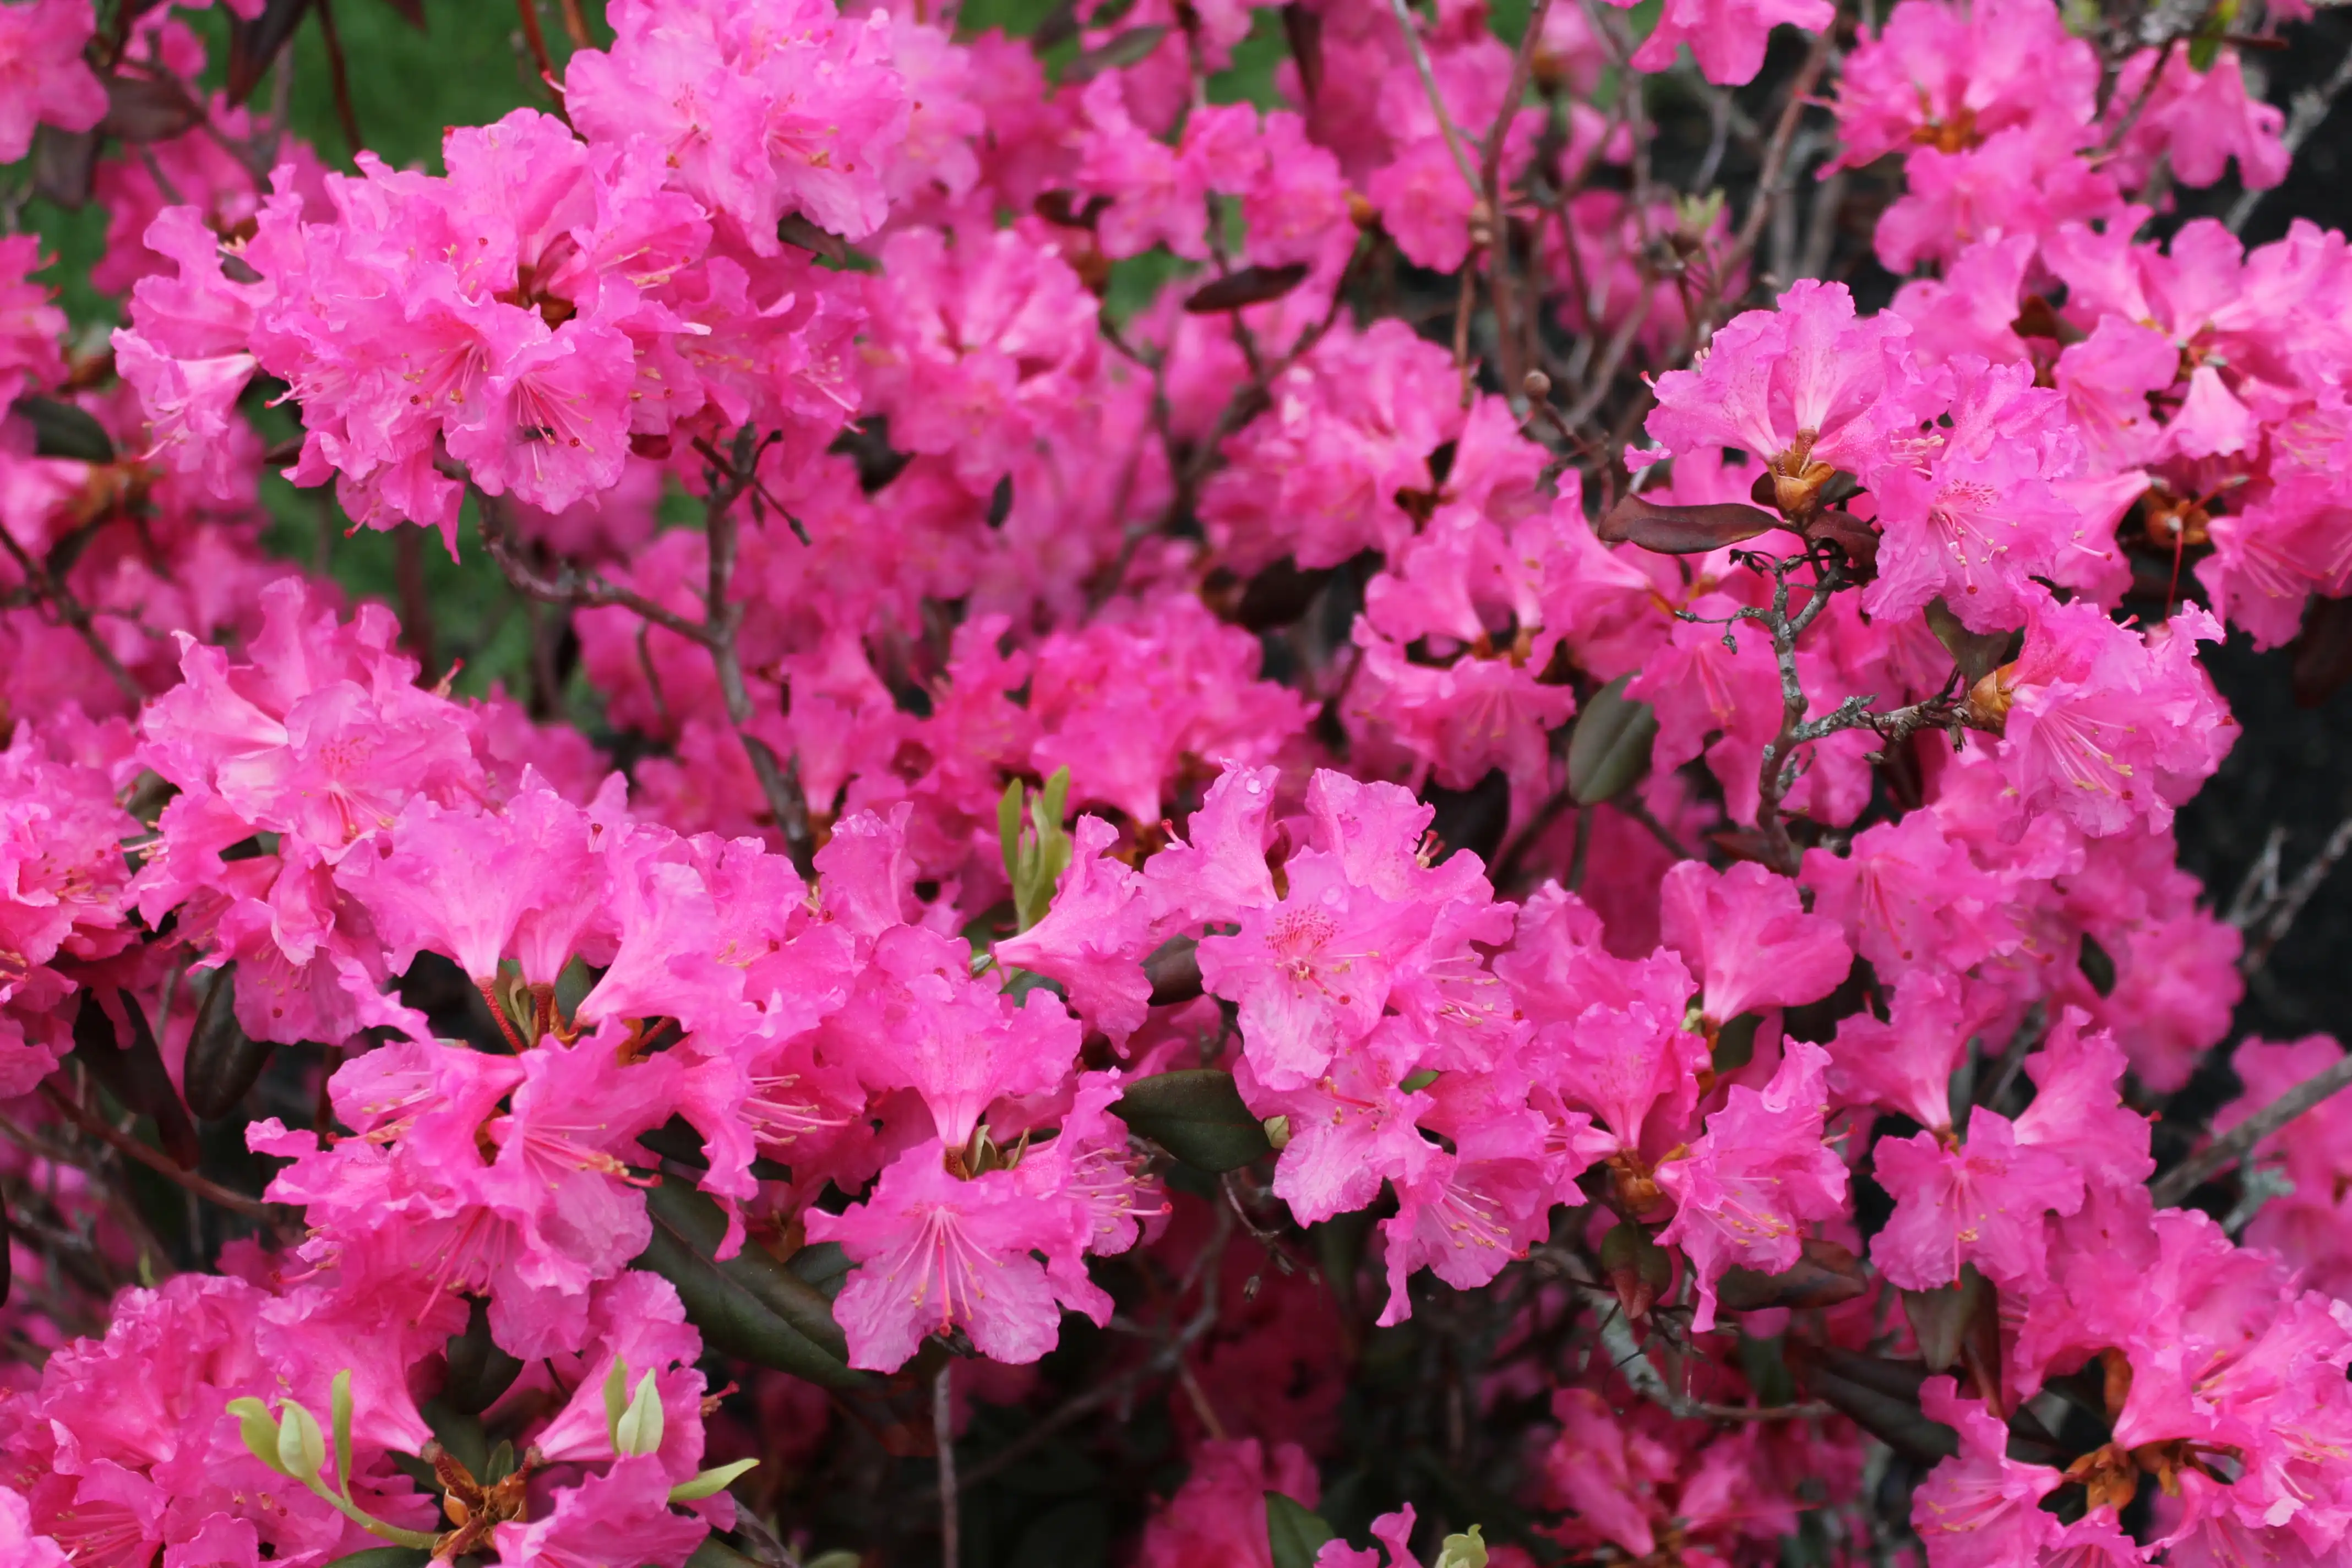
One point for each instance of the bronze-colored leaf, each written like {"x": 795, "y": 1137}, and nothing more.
{"x": 1857, "y": 539}
{"x": 1249, "y": 285}
{"x": 1977, "y": 653}
{"x": 1940, "y": 1318}
{"x": 1174, "y": 970}
{"x": 148, "y": 108}
{"x": 1684, "y": 529}
{"x": 1302, "y": 30}
{"x": 65, "y": 165}
{"x": 1826, "y": 1274}
{"x": 64, "y": 430}
{"x": 1131, "y": 47}
{"x": 1059, "y": 26}
{"x": 254, "y": 46}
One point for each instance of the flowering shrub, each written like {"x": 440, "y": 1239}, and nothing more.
{"x": 1297, "y": 825}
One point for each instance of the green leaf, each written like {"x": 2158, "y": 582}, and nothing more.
{"x": 716, "y": 1553}
{"x": 479, "y": 1370}
{"x": 63, "y": 430}
{"x": 339, "y": 1411}
{"x": 385, "y": 1557}
{"x": 616, "y": 1399}
{"x": 260, "y": 1430}
{"x": 639, "y": 1429}
{"x": 1609, "y": 750}
{"x": 733, "y": 1320}
{"x": 302, "y": 1447}
{"x": 1734, "y": 1043}
{"x": 1464, "y": 1550}
{"x": 2098, "y": 967}
{"x": 709, "y": 1483}
{"x": 1196, "y": 1115}
{"x": 1294, "y": 1534}
{"x": 804, "y": 1307}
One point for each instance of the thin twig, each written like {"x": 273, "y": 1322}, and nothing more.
{"x": 723, "y": 618}
{"x": 535, "y": 39}
{"x": 575, "y": 26}
{"x": 2234, "y": 1145}
{"x": 1490, "y": 185}
{"x": 2279, "y": 918}
{"x": 943, "y": 1432}
{"x": 1776, "y": 157}
{"x": 1436, "y": 100}
{"x": 205, "y": 1187}
{"x": 74, "y": 613}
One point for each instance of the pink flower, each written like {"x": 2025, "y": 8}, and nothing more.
{"x": 1976, "y": 519}
{"x": 936, "y": 1253}
{"x": 1906, "y": 1063}
{"x": 1981, "y": 1202}
{"x": 1980, "y": 1509}
{"x": 2198, "y": 119}
{"x": 623, "y": 1512}
{"x": 2107, "y": 726}
{"x": 1760, "y": 1173}
{"x": 1351, "y": 1128}
{"x": 1392, "y": 1531}
{"x": 1750, "y": 940}
{"x": 30, "y": 323}
{"x": 477, "y": 886}
{"x": 1217, "y": 1519}
{"x": 920, "y": 1021}
{"x": 975, "y": 349}
{"x": 22, "y": 1545}
{"x": 1805, "y": 387}
{"x": 1726, "y": 36}
{"x": 43, "y": 79}
{"x": 761, "y": 109}
{"x": 1095, "y": 937}
{"x": 1911, "y": 898}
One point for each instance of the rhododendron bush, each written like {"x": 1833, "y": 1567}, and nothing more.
{"x": 1337, "y": 784}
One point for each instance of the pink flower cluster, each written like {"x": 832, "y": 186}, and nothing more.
{"x": 1030, "y": 860}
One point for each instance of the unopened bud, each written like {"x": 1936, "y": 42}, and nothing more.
{"x": 1536, "y": 385}
{"x": 1278, "y": 1132}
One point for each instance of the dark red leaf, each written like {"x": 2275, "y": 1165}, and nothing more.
{"x": 147, "y": 108}
{"x": 253, "y": 45}
{"x": 1303, "y": 29}
{"x": 1684, "y": 529}
{"x": 1250, "y": 286}
{"x": 1857, "y": 539}
{"x": 65, "y": 165}
{"x": 1062, "y": 209}
{"x": 1826, "y": 1274}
